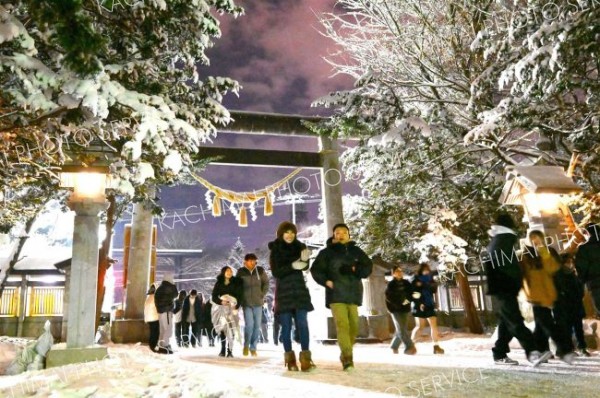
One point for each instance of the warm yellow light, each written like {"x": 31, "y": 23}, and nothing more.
{"x": 86, "y": 185}
{"x": 541, "y": 203}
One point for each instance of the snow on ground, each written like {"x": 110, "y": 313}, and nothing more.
{"x": 466, "y": 368}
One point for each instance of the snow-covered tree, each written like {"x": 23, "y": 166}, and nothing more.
{"x": 77, "y": 76}
{"x": 538, "y": 97}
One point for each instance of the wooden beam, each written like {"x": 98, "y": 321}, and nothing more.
{"x": 259, "y": 157}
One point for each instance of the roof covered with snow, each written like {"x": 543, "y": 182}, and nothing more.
{"x": 536, "y": 179}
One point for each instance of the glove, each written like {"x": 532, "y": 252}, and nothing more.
{"x": 305, "y": 255}
{"x": 416, "y": 295}
{"x": 346, "y": 269}
{"x": 299, "y": 264}
{"x": 234, "y": 312}
{"x": 405, "y": 302}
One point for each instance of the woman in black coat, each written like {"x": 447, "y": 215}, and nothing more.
{"x": 227, "y": 285}
{"x": 288, "y": 258}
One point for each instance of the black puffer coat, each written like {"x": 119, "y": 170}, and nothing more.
{"x": 335, "y": 263}
{"x": 164, "y": 297}
{"x": 291, "y": 292}
{"x": 501, "y": 265}
{"x": 398, "y": 295}
{"x": 235, "y": 288}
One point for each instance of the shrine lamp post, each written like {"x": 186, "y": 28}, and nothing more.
{"x": 87, "y": 200}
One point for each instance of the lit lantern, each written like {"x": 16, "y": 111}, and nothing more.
{"x": 542, "y": 190}
{"x": 88, "y": 183}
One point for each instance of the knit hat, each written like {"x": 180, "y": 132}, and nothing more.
{"x": 284, "y": 227}
{"x": 168, "y": 276}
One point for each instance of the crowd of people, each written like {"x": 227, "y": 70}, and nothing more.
{"x": 550, "y": 282}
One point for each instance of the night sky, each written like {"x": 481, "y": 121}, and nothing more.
{"x": 276, "y": 53}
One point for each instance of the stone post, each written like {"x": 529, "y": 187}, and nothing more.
{"x": 138, "y": 270}
{"x": 84, "y": 274}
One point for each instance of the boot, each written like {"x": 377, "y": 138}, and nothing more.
{"x": 347, "y": 362}
{"x": 437, "y": 349}
{"x": 222, "y": 353}
{"x": 229, "y": 353}
{"x": 306, "y": 362}
{"x": 290, "y": 361}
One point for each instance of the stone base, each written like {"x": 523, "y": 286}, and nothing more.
{"x": 129, "y": 331}
{"x": 59, "y": 356}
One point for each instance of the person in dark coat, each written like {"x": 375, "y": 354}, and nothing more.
{"x": 163, "y": 299}
{"x": 206, "y": 325}
{"x": 424, "y": 287}
{"x": 504, "y": 280}
{"x": 177, "y": 317}
{"x": 398, "y": 295}
{"x": 191, "y": 318}
{"x": 339, "y": 268}
{"x": 227, "y": 284}
{"x": 288, "y": 259}
{"x": 587, "y": 262}
{"x": 568, "y": 310}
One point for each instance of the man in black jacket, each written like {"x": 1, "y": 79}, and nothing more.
{"x": 339, "y": 268}
{"x": 163, "y": 299}
{"x": 398, "y": 295}
{"x": 191, "y": 318}
{"x": 504, "y": 283}
{"x": 587, "y": 263}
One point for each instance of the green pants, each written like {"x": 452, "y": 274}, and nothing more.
{"x": 346, "y": 325}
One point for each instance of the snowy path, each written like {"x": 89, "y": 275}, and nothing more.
{"x": 466, "y": 368}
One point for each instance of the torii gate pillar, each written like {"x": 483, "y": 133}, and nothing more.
{"x": 331, "y": 182}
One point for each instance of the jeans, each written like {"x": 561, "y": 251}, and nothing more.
{"x": 400, "y": 320}
{"x": 510, "y": 324}
{"x": 252, "y": 319}
{"x": 346, "y": 325}
{"x": 300, "y": 318}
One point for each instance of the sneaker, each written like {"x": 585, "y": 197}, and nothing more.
{"x": 253, "y": 353}
{"x": 536, "y": 357}
{"x": 568, "y": 358}
{"x": 395, "y": 350}
{"x": 245, "y": 351}
{"x": 411, "y": 351}
{"x": 505, "y": 361}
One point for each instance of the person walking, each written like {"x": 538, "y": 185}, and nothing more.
{"x": 339, "y": 267}
{"x": 424, "y": 287}
{"x": 568, "y": 310}
{"x": 163, "y": 298}
{"x": 224, "y": 313}
{"x": 540, "y": 263}
{"x": 587, "y": 262}
{"x": 177, "y": 318}
{"x": 206, "y": 325}
{"x": 504, "y": 281}
{"x": 151, "y": 318}
{"x": 264, "y": 326}
{"x": 288, "y": 259}
{"x": 192, "y": 317}
{"x": 398, "y": 295}
{"x": 256, "y": 285}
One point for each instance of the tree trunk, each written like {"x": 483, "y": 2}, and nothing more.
{"x": 472, "y": 320}
{"x": 17, "y": 249}
{"x": 104, "y": 262}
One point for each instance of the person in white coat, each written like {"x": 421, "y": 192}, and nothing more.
{"x": 151, "y": 318}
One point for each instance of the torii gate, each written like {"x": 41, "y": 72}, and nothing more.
{"x": 244, "y": 123}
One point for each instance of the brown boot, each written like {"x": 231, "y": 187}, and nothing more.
{"x": 290, "y": 361}
{"x": 306, "y": 362}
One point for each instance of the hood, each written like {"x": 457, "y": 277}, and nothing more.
{"x": 499, "y": 229}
